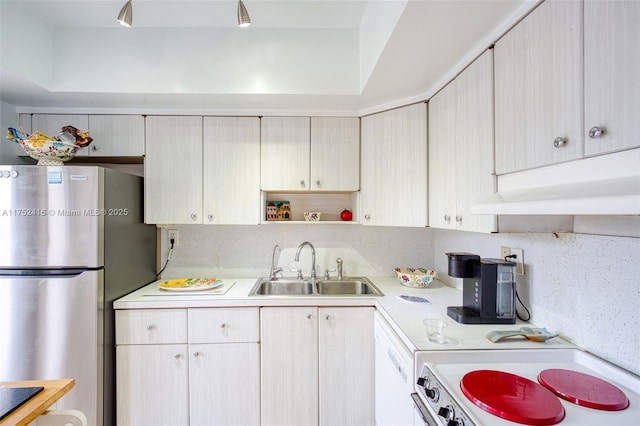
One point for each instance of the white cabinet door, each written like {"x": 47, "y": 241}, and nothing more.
{"x": 611, "y": 72}
{"x": 474, "y": 164}
{"x": 231, "y": 170}
{"x": 52, "y": 124}
{"x": 394, "y": 167}
{"x": 284, "y": 160}
{"x": 116, "y": 135}
{"x": 442, "y": 158}
{"x": 173, "y": 169}
{"x": 346, "y": 366}
{"x": 335, "y": 153}
{"x": 538, "y": 89}
{"x": 224, "y": 384}
{"x": 152, "y": 385}
{"x": 289, "y": 366}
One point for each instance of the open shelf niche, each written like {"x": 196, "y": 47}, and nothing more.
{"x": 330, "y": 204}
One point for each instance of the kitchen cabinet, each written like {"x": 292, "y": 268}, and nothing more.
{"x": 310, "y": 153}
{"x": 231, "y": 170}
{"x": 152, "y": 381}
{"x": 202, "y": 170}
{"x": 173, "y": 169}
{"x": 317, "y": 365}
{"x": 188, "y": 366}
{"x": 113, "y": 135}
{"x": 116, "y": 136}
{"x": 538, "y": 89}
{"x": 611, "y": 69}
{"x": 394, "y": 167}
{"x": 461, "y": 162}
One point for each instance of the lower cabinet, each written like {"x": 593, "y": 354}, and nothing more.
{"x": 317, "y": 365}
{"x": 197, "y": 366}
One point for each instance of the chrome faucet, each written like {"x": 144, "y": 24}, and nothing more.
{"x": 313, "y": 257}
{"x": 339, "y": 262}
{"x": 273, "y": 271}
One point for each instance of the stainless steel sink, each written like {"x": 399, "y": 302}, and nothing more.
{"x": 359, "y": 286}
{"x": 268, "y": 287}
{"x": 352, "y": 286}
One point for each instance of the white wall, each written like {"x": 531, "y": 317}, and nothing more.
{"x": 585, "y": 287}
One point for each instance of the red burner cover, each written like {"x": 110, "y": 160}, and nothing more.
{"x": 512, "y": 397}
{"x": 584, "y": 389}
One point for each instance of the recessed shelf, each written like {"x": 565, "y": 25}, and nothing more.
{"x": 329, "y": 204}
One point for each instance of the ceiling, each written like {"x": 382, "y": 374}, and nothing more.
{"x": 387, "y": 52}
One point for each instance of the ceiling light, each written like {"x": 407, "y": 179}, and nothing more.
{"x": 243, "y": 16}
{"x": 125, "y": 17}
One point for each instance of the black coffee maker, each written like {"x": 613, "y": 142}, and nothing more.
{"x": 488, "y": 289}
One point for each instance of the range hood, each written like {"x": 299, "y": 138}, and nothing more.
{"x": 603, "y": 185}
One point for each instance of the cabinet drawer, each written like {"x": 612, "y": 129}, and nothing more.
{"x": 222, "y": 325}
{"x": 151, "y": 326}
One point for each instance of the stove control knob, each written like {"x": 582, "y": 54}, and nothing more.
{"x": 447, "y": 413}
{"x": 454, "y": 423}
{"x": 423, "y": 381}
{"x": 432, "y": 394}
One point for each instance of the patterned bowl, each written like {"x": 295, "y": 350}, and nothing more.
{"x": 415, "y": 277}
{"x": 51, "y": 152}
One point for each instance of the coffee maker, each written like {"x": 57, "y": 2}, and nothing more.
{"x": 488, "y": 289}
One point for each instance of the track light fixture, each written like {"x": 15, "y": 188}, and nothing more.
{"x": 125, "y": 17}
{"x": 243, "y": 16}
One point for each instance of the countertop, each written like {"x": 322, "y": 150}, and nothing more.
{"x": 38, "y": 404}
{"x": 404, "y": 317}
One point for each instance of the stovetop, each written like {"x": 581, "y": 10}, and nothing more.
{"x": 439, "y": 375}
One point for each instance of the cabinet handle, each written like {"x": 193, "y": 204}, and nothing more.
{"x": 150, "y": 327}
{"x": 309, "y": 316}
{"x": 447, "y": 218}
{"x": 196, "y": 354}
{"x": 318, "y": 183}
{"x": 194, "y": 216}
{"x": 177, "y": 356}
{"x": 367, "y": 216}
{"x": 95, "y": 148}
{"x": 559, "y": 142}
{"x": 210, "y": 217}
{"x": 328, "y": 317}
{"x": 223, "y": 325}
{"x": 459, "y": 219}
{"x": 597, "y": 132}
{"x": 302, "y": 183}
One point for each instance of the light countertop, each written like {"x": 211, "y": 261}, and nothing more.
{"x": 404, "y": 317}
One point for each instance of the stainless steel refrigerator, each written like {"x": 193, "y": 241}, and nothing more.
{"x": 72, "y": 240}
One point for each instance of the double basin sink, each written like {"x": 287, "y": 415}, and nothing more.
{"x": 351, "y": 286}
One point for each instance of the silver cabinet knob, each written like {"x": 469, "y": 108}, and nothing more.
{"x": 447, "y": 218}
{"x": 177, "y": 356}
{"x": 328, "y": 317}
{"x": 459, "y": 219}
{"x": 194, "y": 216}
{"x": 302, "y": 183}
{"x": 223, "y": 325}
{"x": 559, "y": 142}
{"x": 367, "y": 216}
{"x": 150, "y": 327}
{"x": 196, "y": 354}
{"x": 210, "y": 218}
{"x": 318, "y": 183}
{"x": 309, "y": 316}
{"x": 597, "y": 132}
{"x": 95, "y": 148}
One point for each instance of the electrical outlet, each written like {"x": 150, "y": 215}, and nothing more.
{"x": 172, "y": 234}
{"x": 504, "y": 252}
{"x": 519, "y": 260}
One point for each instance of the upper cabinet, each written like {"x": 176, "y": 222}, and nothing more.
{"x": 202, "y": 170}
{"x": 461, "y": 168}
{"x": 538, "y": 89}
{"x": 611, "y": 72}
{"x": 173, "y": 170}
{"x": 231, "y": 170}
{"x": 394, "y": 167}
{"x": 113, "y": 135}
{"x": 303, "y": 153}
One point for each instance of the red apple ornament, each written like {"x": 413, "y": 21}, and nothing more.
{"x": 346, "y": 215}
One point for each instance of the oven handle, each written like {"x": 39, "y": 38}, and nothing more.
{"x": 422, "y": 409}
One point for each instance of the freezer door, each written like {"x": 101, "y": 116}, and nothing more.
{"x": 51, "y": 216}
{"x": 51, "y": 328}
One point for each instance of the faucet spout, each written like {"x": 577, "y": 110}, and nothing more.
{"x": 313, "y": 257}
{"x": 274, "y": 270}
